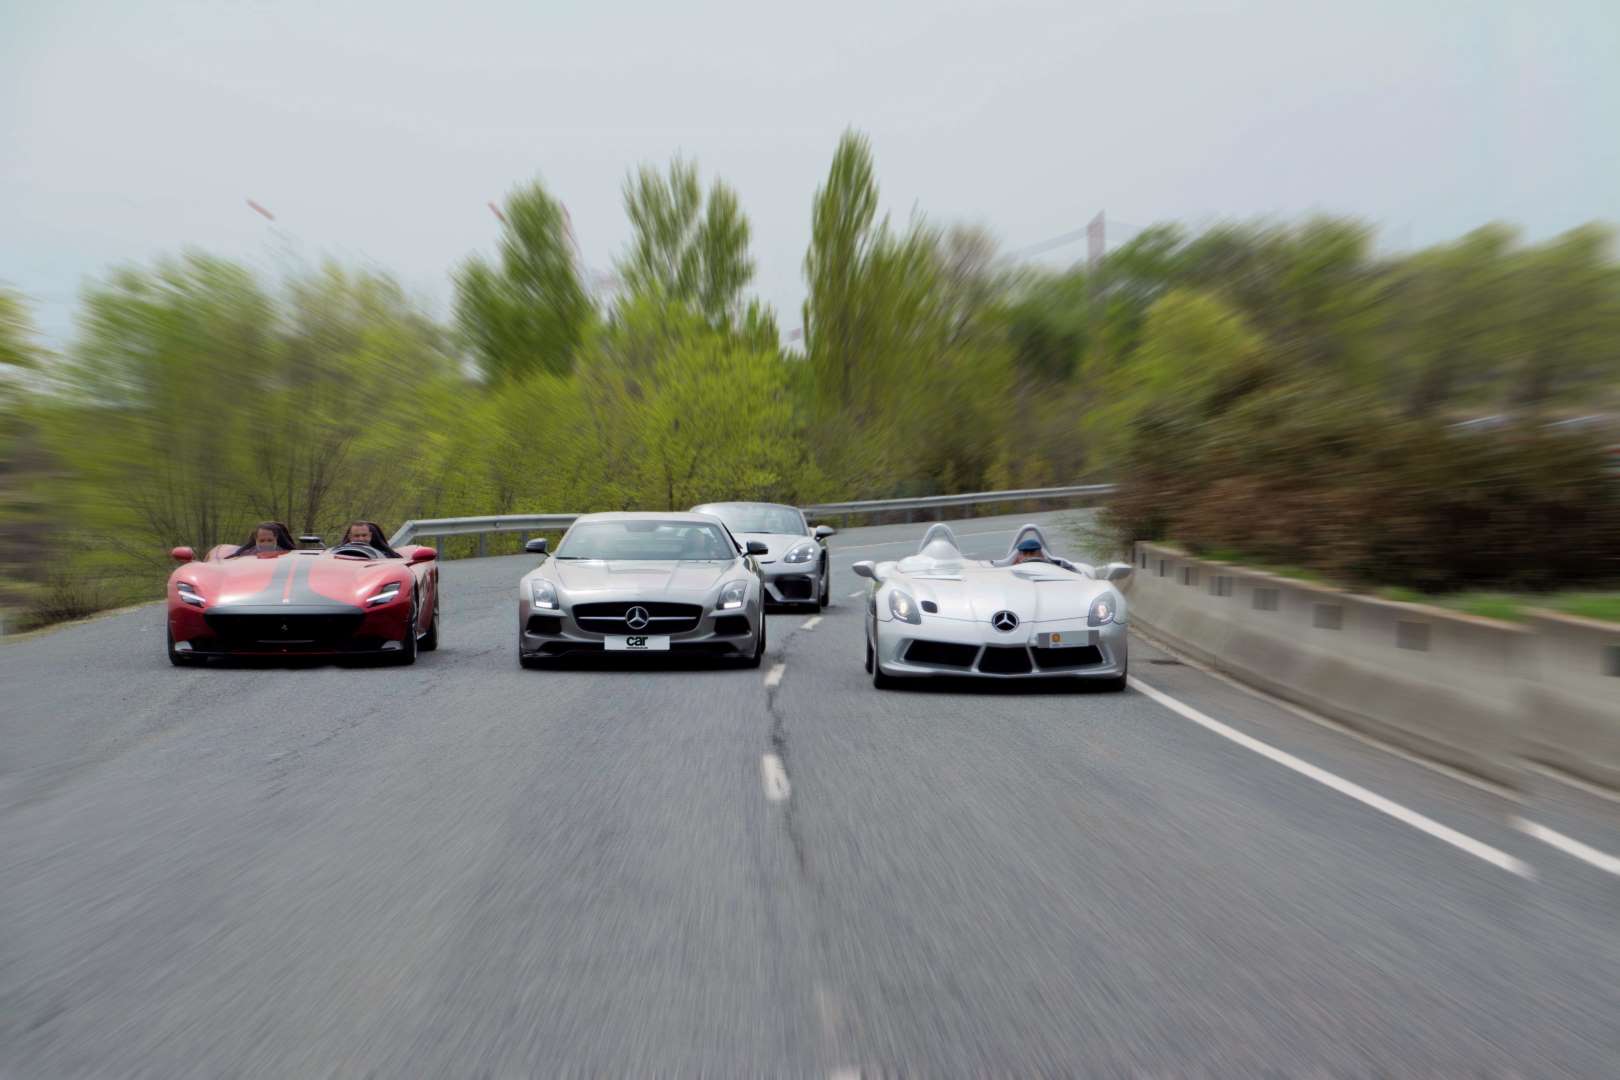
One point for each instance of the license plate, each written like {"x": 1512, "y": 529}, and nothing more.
{"x": 638, "y": 643}
{"x": 1068, "y": 639}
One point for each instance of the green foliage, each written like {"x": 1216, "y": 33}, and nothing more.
{"x": 686, "y": 250}
{"x": 530, "y": 312}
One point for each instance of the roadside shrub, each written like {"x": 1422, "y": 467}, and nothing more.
{"x": 1341, "y": 487}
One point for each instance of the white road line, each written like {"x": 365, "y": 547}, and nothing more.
{"x": 1395, "y": 810}
{"x": 774, "y": 777}
{"x": 810, "y": 623}
{"x": 1333, "y": 725}
{"x": 857, "y": 595}
{"x": 774, "y": 676}
{"x": 1569, "y": 845}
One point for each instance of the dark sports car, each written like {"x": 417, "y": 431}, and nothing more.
{"x": 345, "y": 600}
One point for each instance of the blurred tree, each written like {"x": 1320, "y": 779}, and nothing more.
{"x": 1569, "y": 308}
{"x": 686, "y": 250}
{"x": 530, "y": 312}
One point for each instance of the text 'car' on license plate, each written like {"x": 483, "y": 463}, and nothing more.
{"x": 1065, "y": 640}
{"x": 638, "y": 643}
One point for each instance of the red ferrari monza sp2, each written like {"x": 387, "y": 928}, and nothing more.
{"x": 349, "y": 600}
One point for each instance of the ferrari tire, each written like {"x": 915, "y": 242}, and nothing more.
{"x": 178, "y": 659}
{"x": 408, "y": 644}
{"x": 430, "y": 640}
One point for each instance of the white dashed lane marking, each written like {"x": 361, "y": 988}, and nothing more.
{"x": 1344, "y": 787}
{"x": 810, "y": 623}
{"x": 774, "y": 676}
{"x": 857, "y": 595}
{"x": 774, "y": 776}
{"x": 1569, "y": 845}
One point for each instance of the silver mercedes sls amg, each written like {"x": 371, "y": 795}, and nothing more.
{"x": 1027, "y": 615}
{"x": 672, "y": 584}
{"x": 795, "y": 566}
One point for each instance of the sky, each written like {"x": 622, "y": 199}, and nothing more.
{"x": 377, "y": 133}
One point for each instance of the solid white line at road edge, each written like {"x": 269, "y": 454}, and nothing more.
{"x": 810, "y": 623}
{"x": 774, "y": 676}
{"x": 1569, "y": 845}
{"x": 1395, "y": 810}
{"x": 774, "y": 777}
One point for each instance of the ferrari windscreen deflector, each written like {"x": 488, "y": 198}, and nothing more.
{"x": 351, "y": 599}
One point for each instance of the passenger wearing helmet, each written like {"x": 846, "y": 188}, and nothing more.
{"x": 1029, "y": 550}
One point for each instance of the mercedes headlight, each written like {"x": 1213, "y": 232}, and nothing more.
{"x": 904, "y": 608}
{"x": 188, "y": 594}
{"x": 383, "y": 595}
{"x": 543, "y": 594}
{"x": 1102, "y": 611}
{"x": 801, "y": 554}
{"x": 733, "y": 595}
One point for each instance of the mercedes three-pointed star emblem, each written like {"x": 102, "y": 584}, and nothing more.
{"x": 637, "y": 618}
{"x": 1004, "y": 621}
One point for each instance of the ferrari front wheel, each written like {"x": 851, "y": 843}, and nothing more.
{"x": 408, "y": 644}
{"x": 177, "y": 658}
{"x": 430, "y": 640}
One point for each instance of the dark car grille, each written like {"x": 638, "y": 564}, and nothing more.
{"x": 794, "y": 588}
{"x": 314, "y": 632}
{"x": 1005, "y": 660}
{"x": 666, "y": 618}
{"x": 941, "y": 653}
{"x": 1054, "y": 659}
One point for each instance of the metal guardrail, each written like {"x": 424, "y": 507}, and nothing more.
{"x": 527, "y": 523}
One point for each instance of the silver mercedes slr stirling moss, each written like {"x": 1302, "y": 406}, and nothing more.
{"x": 795, "y": 565}
{"x": 1029, "y": 615}
{"x": 664, "y": 583}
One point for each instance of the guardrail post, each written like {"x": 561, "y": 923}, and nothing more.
{"x": 483, "y": 545}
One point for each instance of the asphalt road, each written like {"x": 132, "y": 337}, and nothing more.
{"x": 468, "y": 869}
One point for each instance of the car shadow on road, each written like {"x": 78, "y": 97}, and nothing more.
{"x": 960, "y": 686}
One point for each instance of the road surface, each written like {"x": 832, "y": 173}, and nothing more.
{"x": 467, "y": 869}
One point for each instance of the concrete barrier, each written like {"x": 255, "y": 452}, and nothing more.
{"x": 1479, "y": 694}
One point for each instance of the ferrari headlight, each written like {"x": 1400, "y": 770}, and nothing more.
{"x": 1102, "y": 611}
{"x": 904, "y": 608}
{"x": 543, "y": 594}
{"x": 733, "y": 595}
{"x": 801, "y": 554}
{"x": 188, "y": 594}
{"x": 384, "y": 595}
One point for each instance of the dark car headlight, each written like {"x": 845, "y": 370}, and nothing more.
{"x": 733, "y": 595}
{"x": 384, "y": 595}
{"x": 904, "y": 608}
{"x": 543, "y": 594}
{"x": 1101, "y": 612}
{"x": 188, "y": 594}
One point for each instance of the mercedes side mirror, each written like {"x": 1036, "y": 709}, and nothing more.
{"x": 182, "y": 554}
{"x": 824, "y": 531}
{"x": 537, "y": 546}
{"x": 758, "y": 547}
{"x": 1115, "y": 571}
{"x": 423, "y": 554}
{"x": 866, "y": 568}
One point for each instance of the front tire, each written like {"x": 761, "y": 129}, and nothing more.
{"x": 430, "y": 640}
{"x": 759, "y": 646}
{"x": 825, "y": 599}
{"x": 880, "y": 681}
{"x": 178, "y": 659}
{"x": 408, "y": 644}
{"x": 1116, "y": 684}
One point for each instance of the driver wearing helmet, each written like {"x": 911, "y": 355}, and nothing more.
{"x": 1029, "y": 550}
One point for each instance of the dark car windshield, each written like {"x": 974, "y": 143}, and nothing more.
{"x": 650, "y": 540}
{"x": 757, "y": 518}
